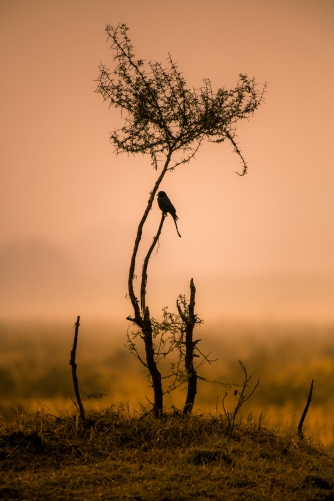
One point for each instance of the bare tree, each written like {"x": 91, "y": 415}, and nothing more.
{"x": 190, "y": 319}
{"x": 167, "y": 120}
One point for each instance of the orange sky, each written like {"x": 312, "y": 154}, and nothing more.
{"x": 260, "y": 246}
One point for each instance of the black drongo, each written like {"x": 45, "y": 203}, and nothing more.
{"x": 166, "y": 206}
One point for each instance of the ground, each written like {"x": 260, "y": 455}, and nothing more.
{"x": 114, "y": 455}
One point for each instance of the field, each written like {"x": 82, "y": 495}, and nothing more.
{"x": 35, "y": 374}
{"x": 117, "y": 455}
{"x": 120, "y": 452}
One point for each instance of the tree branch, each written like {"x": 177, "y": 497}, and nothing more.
{"x": 74, "y": 370}
{"x": 302, "y": 419}
{"x": 133, "y": 298}
{"x": 145, "y": 265}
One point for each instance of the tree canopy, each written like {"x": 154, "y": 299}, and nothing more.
{"x": 161, "y": 114}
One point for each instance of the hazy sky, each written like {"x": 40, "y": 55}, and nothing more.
{"x": 261, "y": 245}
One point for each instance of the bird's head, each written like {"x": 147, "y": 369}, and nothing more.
{"x": 162, "y": 194}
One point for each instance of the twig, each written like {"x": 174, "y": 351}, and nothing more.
{"x": 74, "y": 370}
{"x": 240, "y": 396}
{"x": 302, "y": 419}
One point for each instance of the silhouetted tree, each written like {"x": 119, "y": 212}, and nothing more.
{"x": 167, "y": 120}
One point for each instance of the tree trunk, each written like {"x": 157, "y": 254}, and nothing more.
{"x": 189, "y": 319}
{"x": 151, "y": 364}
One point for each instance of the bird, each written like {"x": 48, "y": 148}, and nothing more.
{"x": 166, "y": 206}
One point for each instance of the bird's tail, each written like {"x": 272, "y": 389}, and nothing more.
{"x": 175, "y": 218}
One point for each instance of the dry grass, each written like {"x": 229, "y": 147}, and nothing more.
{"x": 120, "y": 453}
{"x": 35, "y": 375}
{"x": 116, "y": 454}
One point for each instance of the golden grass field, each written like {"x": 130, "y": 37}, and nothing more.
{"x": 35, "y": 372}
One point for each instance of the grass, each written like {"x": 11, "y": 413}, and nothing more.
{"x": 119, "y": 455}
{"x": 35, "y": 374}
{"x": 119, "y": 452}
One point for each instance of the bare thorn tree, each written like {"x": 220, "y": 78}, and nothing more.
{"x": 167, "y": 120}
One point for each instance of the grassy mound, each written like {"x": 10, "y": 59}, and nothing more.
{"x": 115, "y": 454}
